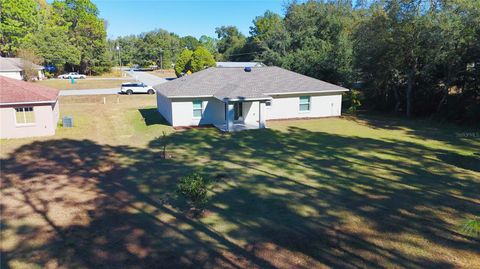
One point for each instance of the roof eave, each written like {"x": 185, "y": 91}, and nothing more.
{"x": 307, "y": 92}
{"x": 188, "y": 96}
{"x": 29, "y": 103}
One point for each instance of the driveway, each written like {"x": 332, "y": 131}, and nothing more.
{"x": 147, "y": 78}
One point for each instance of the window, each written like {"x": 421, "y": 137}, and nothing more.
{"x": 304, "y": 103}
{"x": 268, "y": 103}
{"x": 24, "y": 115}
{"x": 197, "y": 109}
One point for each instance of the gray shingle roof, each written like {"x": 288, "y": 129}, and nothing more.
{"x": 239, "y": 64}
{"x": 235, "y": 83}
{"x": 14, "y": 64}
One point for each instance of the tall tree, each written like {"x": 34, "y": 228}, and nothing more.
{"x": 201, "y": 59}
{"x": 52, "y": 42}
{"x": 18, "y": 20}
{"x": 269, "y": 38}
{"x": 190, "y": 42}
{"x": 209, "y": 43}
{"x": 88, "y": 32}
{"x": 230, "y": 43}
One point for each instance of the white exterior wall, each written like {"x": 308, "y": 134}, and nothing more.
{"x": 164, "y": 107}
{"x": 46, "y": 118}
{"x": 12, "y": 74}
{"x": 250, "y": 111}
{"x": 213, "y": 112}
{"x": 321, "y": 105}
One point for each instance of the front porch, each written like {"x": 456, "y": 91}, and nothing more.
{"x": 237, "y": 126}
{"x": 242, "y": 114}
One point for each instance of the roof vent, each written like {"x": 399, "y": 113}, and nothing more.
{"x": 247, "y": 69}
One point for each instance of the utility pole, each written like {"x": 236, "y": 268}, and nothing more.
{"x": 119, "y": 58}
{"x": 161, "y": 59}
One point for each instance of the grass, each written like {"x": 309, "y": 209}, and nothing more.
{"x": 114, "y": 73}
{"x": 339, "y": 192}
{"x": 83, "y": 84}
{"x": 167, "y": 73}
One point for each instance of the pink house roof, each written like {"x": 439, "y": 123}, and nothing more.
{"x": 14, "y": 91}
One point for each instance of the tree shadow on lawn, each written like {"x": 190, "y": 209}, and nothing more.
{"x": 445, "y": 132}
{"x": 288, "y": 198}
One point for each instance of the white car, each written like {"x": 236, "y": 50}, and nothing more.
{"x": 74, "y": 75}
{"x": 136, "y": 87}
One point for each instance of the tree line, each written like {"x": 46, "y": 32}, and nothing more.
{"x": 414, "y": 57}
{"x": 409, "y": 56}
{"x": 67, "y": 34}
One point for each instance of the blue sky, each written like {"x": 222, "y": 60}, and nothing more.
{"x": 193, "y": 17}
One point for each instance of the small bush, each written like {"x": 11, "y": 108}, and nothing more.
{"x": 355, "y": 102}
{"x": 194, "y": 188}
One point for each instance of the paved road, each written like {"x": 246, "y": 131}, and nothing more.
{"x": 147, "y": 78}
{"x": 89, "y": 92}
{"x": 144, "y": 77}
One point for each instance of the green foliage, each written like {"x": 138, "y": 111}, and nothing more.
{"x": 209, "y": 43}
{"x": 19, "y": 19}
{"x": 355, "y": 103}
{"x": 190, "y": 42}
{"x": 183, "y": 63}
{"x": 231, "y": 43}
{"x": 201, "y": 59}
{"x": 29, "y": 58}
{"x": 194, "y": 188}
{"x": 472, "y": 227}
{"x": 64, "y": 33}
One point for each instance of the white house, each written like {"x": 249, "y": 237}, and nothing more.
{"x": 13, "y": 68}
{"x": 245, "y": 98}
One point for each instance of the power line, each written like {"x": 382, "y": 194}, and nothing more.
{"x": 246, "y": 53}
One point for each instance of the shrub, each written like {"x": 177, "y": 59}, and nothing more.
{"x": 194, "y": 188}
{"x": 183, "y": 62}
{"x": 201, "y": 59}
{"x": 472, "y": 227}
{"x": 355, "y": 103}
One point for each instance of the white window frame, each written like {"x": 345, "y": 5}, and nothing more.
{"x": 193, "y": 109}
{"x": 25, "y": 123}
{"x": 300, "y": 104}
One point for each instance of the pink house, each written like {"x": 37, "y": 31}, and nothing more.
{"x": 27, "y": 109}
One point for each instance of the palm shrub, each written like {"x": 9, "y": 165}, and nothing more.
{"x": 194, "y": 188}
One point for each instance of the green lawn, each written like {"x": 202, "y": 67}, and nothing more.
{"x": 368, "y": 192}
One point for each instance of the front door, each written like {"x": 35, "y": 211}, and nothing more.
{"x": 238, "y": 108}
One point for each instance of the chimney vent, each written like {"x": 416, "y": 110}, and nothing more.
{"x": 247, "y": 69}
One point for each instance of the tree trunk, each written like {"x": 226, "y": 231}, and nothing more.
{"x": 445, "y": 91}
{"x": 410, "y": 82}
{"x": 398, "y": 102}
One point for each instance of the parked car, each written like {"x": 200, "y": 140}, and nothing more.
{"x": 136, "y": 87}
{"x": 74, "y": 75}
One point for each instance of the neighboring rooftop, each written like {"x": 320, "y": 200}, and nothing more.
{"x": 14, "y": 91}
{"x": 236, "y": 83}
{"x": 14, "y": 64}
{"x": 240, "y": 64}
